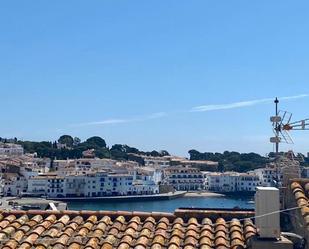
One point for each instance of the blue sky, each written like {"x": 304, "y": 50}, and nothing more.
{"x": 134, "y": 72}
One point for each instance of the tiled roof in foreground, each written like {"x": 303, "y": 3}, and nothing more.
{"x": 300, "y": 191}
{"x": 186, "y": 229}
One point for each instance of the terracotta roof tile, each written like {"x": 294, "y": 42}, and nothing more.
{"x": 92, "y": 243}
{"x": 62, "y": 240}
{"x": 300, "y": 190}
{"x": 109, "y": 242}
{"x": 6, "y": 221}
{"x": 158, "y": 239}
{"x": 205, "y": 240}
{"x": 206, "y": 247}
{"x": 156, "y": 246}
{"x": 145, "y": 232}
{"x": 190, "y": 241}
{"x": 306, "y": 187}
{"x": 11, "y": 244}
{"x": 249, "y": 229}
{"x": 173, "y": 246}
{"x": 176, "y": 240}
{"x": 142, "y": 241}
{"x": 75, "y": 245}
{"x": 107, "y": 246}
{"x": 122, "y": 230}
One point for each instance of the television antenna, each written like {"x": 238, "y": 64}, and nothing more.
{"x": 282, "y": 125}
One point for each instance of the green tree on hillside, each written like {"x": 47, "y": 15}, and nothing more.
{"x": 96, "y": 141}
{"x": 67, "y": 140}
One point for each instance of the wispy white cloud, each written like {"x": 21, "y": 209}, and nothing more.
{"x": 205, "y": 108}
{"x": 294, "y": 97}
{"x": 103, "y": 122}
{"x": 120, "y": 121}
{"x": 202, "y": 108}
{"x": 157, "y": 115}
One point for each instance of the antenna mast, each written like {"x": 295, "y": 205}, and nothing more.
{"x": 276, "y": 120}
{"x": 277, "y": 126}
{"x": 282, "y": 125}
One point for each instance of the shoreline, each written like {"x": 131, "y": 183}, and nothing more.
{"x": 203, "y": 194}
{"x": 164, "y": 196}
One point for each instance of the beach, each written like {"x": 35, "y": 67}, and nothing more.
{"x": 203, "y": 194}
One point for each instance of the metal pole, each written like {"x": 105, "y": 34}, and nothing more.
{"x": 277, "y": 143}
{"x": 277, "y": 127}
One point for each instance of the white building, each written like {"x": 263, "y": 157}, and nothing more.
{"x": 269, "y": 176}
{"x": 248, "y": 182}
{"x": 49, "y": 185}
{"x": 184, "y": 178}
{"x": 94, "y": 163}
{"x": 156, "y": 162}
{"x": 9, "y": 149}
{"x": 82, "y": 164}
{"x": 149, "y": 173}
{"x": 91, "y": 184}
{"x": 14, "y": 184}
{"x": 221, "y": 182}
{"x": 231, "y": 182}
{"x": 279, "y": 172}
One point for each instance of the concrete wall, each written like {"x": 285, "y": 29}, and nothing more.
{"x": 166, "y": 189}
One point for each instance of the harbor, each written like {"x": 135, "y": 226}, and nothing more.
{"x": 195, "y": 201}
{"x": 31, "y": 203}
{"x": 162, "y": 202}
{"x": 126, "y": 198}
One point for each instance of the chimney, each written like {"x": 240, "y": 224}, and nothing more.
{"x": 267, "y": 206}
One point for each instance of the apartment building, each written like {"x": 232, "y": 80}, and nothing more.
{"x": 148, "y": 173}
{"x": 156, "y": 162}
{"x": 88, "y": 164}
{"x": 269, "y": 176}
{"x": 231, "y": 182}
{"x": 50, "y": 185}
{"x": 91, "y": 184}
{"x": 184, "y": 178}
{"x": 279, "y": 172}
{"x": 40, "y": 165}
{"x": 203, "y": 165}
{"x": 13, "y": 184}
{"x": 248, "y": 182}
{"x": 10, "y": 149}
{"x": 221, "y": 182}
